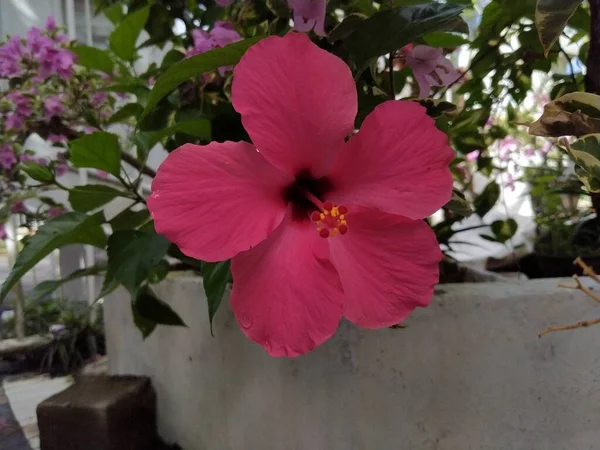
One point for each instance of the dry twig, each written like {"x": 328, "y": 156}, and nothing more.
{"x": 582, "y": 324}
{"x": 589, "y": 271}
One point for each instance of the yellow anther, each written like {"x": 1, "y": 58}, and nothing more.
{"x": 342, "y": 218}
{"x": 334, "y": 211}
{"x": 322, "y": 216}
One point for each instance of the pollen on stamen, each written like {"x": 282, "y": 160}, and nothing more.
{"x": 331, "y": 220}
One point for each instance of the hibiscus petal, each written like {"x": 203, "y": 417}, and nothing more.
{"x": 217, "y": 200}
{"x": 286, "y": 293}
{"x": 397, "y": 163}
{"x": 297, "y": 102}
{"x": 388, "y": 266}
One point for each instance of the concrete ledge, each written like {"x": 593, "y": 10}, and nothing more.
{"x": 467, "y": 373}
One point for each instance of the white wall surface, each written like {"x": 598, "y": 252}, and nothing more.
{"x": 469, "y": 373}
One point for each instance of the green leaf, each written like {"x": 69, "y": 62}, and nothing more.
{"x": 127, "y": 111}
{"x": 37, "y": 172}
{"x": 487, "y": 199}
{"x": 194, "y": 66}
{"x": 122, "y": 40}
{"x": 109, "y": 285}
{"x": 346, "y": 28}
{"x": 91, "y": 196}
{"x": 132, "y": 254}
{"x": 99, "y": 150}
{"x": 49, "y": 286}
{"x": 443, "y": 39}
{"x": 114, "y": 13}
{"x": 435, "y": 107}
{"x": 153, "y": 310}
{"x": 459, "y": 205}
{"x": 94, "y": 58}
{"x": 391, "y": 29}
{"x": 159, "y": 272}
{"x": 586, "y": 154}
{"x": 145, "y": 326}
{"x": 504, "y": 229}
{"x": 215, "y": 277}
{"x": 551, "y": 17}
{"x": 70, "y": 228}
{"x": 128, "y": 219}
{"x": 200, "y": 128}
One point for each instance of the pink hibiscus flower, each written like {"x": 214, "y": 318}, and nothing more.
{"x": 318, "y": 228}
{"x": 309, "y": 14}
{"x": 430, "y": 67}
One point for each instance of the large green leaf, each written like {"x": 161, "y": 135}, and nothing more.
{"x": 194, "y": 66}
{"x": 391, "y": 29}
{"x": 99, "y": 150}
{"x": 200, "y": 128}
{"x": 127, "y": 111}
{"x": 67, "y": 229}
{"x": 122, "y": 40}
{"x": 94, "y": 58}
{"x": 132, "y": 254}
{"x": 91, "y": 196}
{"x": 551, "y": 17}
{"x": 49, "y": 286}
{"x": 128, "y": 219}
{"x": 149, "y": 311}
{"x": 215, "y": 277}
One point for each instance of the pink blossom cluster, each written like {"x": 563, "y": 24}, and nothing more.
{"x": 45, "y": 98}
{"x": 45, "y": 51}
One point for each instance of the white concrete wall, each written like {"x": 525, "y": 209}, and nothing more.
{"x": 469, "y": 373}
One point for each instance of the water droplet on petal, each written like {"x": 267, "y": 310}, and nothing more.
{"x": 267, "y": 345}
{"x": 246, "y": 322}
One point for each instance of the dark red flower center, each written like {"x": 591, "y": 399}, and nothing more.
{"x": 307, "y": 197}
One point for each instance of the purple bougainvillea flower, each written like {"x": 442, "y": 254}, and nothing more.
{"x": 18, "y": 207}
{"x": 55, "y": 211}
{"x": 21, "y": 103}
{"x": 3, "y": 234}
{"x": 11, "y": 54}
{"x": 56, "y": 60}
{"x": 319, "y": 227}
{"x": 56, "y": 138}
{"x": 7, "y": 157}
{"x": 50, "y": 24}
{"x": 53, "y": 107}
{"x": 220, "y": 35}
{"x": 99, "y": 99}
{"x": 430, "y": 67}
{"x": 309, "y": 15}
{"x": 13, "y": 121}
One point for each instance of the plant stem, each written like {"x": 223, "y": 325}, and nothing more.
{"x": 391, "y": 75}
{"x": 132, "y": 161}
